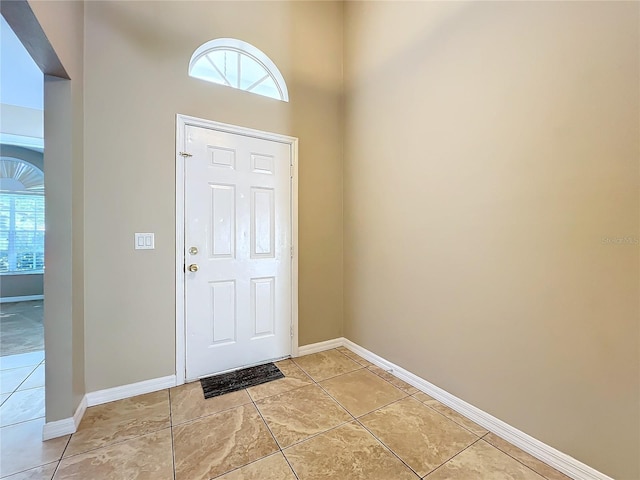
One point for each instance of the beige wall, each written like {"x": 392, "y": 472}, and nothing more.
{"x": 136, "y": 60}
{"x": 489, "y": 150}
{"x": 63, "y": 25}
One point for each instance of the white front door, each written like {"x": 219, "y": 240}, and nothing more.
{"x": 238, "y": 238}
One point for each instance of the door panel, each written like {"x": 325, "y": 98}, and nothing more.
{"x": 263, "y": 306}
{"x": 222, "y": 238}
{"x": 262, "y": 221}
{"x": 238, "y": 217}
{"x": 223, "y": 315}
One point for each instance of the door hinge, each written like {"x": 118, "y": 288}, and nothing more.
{"x": 185, "y": 154}
{"x": 291, "y": 330}
{"x": 291, "y": 171}
{"x": 291, "y": 251}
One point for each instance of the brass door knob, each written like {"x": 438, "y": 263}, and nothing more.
{"x": 193, "y": 268}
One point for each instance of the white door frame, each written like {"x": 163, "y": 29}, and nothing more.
{"x": 181, "y": 122}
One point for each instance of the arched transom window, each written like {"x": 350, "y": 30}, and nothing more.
{"x": 238, "y": 64}
{"x": 21, "y": 217}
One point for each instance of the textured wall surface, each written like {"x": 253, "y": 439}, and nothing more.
{"x": 491, "y": 149}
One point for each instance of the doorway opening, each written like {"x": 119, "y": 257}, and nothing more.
{"x": 22, "y": 231}
{"x": 236, "y": 255}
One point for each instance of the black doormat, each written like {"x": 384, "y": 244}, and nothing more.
{"x": 244, "y": 378}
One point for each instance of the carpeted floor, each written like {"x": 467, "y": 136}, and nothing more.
{"x": 21, "y": 327}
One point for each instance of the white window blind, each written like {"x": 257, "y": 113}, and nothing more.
{"x": 21, "y": 233}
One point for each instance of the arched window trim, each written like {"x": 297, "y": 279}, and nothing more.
{"x": 22, "y": 209}
{"x": 24, "y": 172}
{"x": 247, "y": 49}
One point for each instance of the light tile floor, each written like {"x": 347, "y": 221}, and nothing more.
{"x": 21, "y": 388}
{"x": 333, "y": 416}
{"x": 21, "y": 324}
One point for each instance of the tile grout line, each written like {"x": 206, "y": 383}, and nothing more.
{"x": 272, "y": 436}
{"x": 480, "y": 437}
{"x": 67, "y": 445}
{"x": 30, "y": 365}
{"x": 114, "y": 443}
{"x": 282, "y": 449}
{"x": 451, "y": 419}
{"x": 318, "y": 384}
{"x": 366, "y": 413}
{"x": 55, "y": 470}
{"x": 388, "y": 448}
{"x": 367, "y": 365}
{"x": 410, "y": 394}
{"x": 381, "y": 442}
{"x": 451, "y": 458}
{"x": 520, "y": 462}
{"x": 342, "y": 424}
{"x": 371, "y": 433}
{"x": 407, "y": 395}
{"x": 360, "y": 367}
{"x": 57, "y": 462}
{"x": 35, "y": 367}
{"x": 27, "y": 389}
{"x": 265, "y": 423}
{"x": 382, "y": 406}
{"x": 206, "y": 415}
{"x": 173, "y": 449}
{"x": 170, "y": 428}
{"x": 421, "y": 403}
{"x": 196, "y": 419}
{"x": 276, "y": 394}
{"x": 235, "y": 469}
{"x": 22, "y": 421}
{"x": 290, "y": 466}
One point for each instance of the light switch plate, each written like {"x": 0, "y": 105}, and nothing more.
{"x": 144, "y": 241}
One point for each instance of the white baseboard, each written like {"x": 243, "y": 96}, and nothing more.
{"x": 66, "y": 426}
{"x": 126, "y": 391}
{"x": 547, "y": 454}
{"x": 24, "y": 298}
{"x": 320, "y": 346}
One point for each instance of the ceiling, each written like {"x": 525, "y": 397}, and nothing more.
{"x": 21, "y": 81}
{"x": 21, "y": 93}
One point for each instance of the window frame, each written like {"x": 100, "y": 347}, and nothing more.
{"x": 12, "y": 248}
{"x": 242, "y": 48}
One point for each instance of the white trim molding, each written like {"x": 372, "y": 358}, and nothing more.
{"x": 66, "y": 426}
{"x": 127, "y": 391}
{"x": 244, "y": 49}
{"x": 321, "y": 346}
{"x": 24, "y": 298}
{"x": 182, "y": 121}
{"x": 294, "y": 243}
{"x": 543, "y": 452}
{"x": 547, "y": 454}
